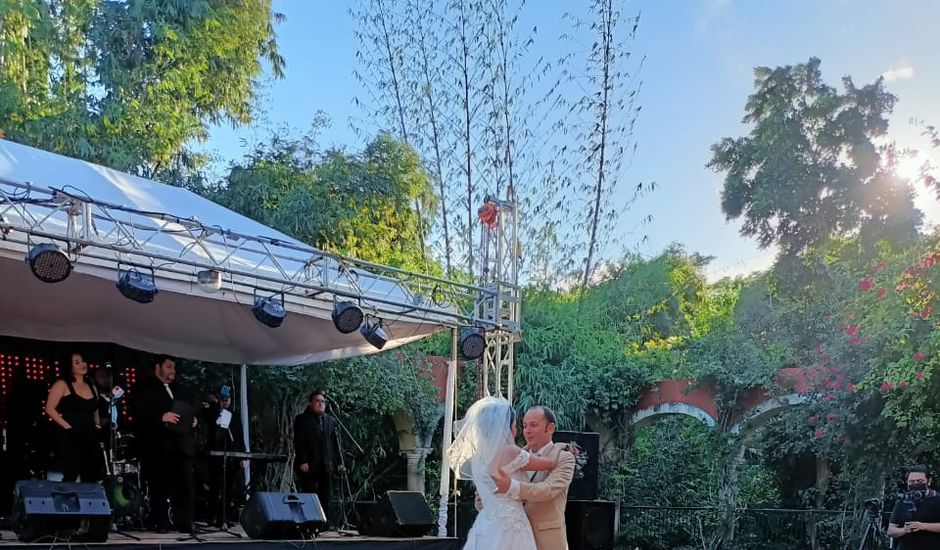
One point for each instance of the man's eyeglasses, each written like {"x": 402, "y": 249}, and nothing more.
{"x": 319, "y": 400}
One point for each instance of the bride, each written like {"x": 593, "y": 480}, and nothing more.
{"x": 485, "y": 444}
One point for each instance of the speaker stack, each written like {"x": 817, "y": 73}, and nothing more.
{"x": 47, "y": 511}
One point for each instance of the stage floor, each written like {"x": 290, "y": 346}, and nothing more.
{"x": 225, "y": 541}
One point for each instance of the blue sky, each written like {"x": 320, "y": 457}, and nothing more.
{"x": 698, "y": 72}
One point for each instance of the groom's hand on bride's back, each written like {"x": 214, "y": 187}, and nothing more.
{"x": 502, "y": 481}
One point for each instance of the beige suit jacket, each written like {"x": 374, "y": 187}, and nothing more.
{"x": 545, "y": 497}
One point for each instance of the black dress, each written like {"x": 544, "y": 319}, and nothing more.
{"x": 78, "y": 452}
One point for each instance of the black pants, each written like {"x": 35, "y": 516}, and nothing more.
{"x": 78, "y": 454}
{"x": 170, "y": 477}
{"x": 318, "y": 482}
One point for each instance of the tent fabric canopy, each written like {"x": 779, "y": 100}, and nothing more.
{"x": 183, "y": 320}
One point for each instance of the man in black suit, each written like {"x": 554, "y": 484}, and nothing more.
{"x": 317, "y": 454}
{"x": 161, "y": 410}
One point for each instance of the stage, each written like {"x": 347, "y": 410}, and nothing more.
{"x": 226, "y": 541}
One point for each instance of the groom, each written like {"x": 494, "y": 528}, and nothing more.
{"x": 545, "y": 495}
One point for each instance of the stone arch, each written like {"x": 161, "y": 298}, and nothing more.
{"x": 762, "y": 413}
{"x": 647, "y": 416}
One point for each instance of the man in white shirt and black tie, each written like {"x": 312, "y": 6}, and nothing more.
{"x": 546, "y": 493}
{"x": 161, "y": 415}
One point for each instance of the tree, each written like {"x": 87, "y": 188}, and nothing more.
{"x": 360, "y": 205}
{"x": 129, "y": 83}
{"x": 812, "y": 166}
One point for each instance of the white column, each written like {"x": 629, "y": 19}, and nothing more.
{"x": 243, "y": 408}
{"x": 448, "y": 435}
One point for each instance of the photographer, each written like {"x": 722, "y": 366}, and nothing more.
{"x": 915, "y": 521}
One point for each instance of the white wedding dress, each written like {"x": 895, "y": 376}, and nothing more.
{"x": 502, "y": 524}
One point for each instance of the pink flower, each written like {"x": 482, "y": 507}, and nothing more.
{"x": 817, "y": 350}
{"x": 850, "y": 387}
{"x": 887, "y": 386}
{"x": 865, "y": 285}
{"x": 831, "y": 416}
{"x": 881, "y": 292}
{"x": 904, "y": 384}
{"x": 852, "y": 330}
{"x": 926, "y": 313}
{"x": 919, "y": 376}
{"x": 919, "y": 356}
{"x": 836, "y": 386}
{"x": 819, "y": 434}
{"x": 811, "y": 420}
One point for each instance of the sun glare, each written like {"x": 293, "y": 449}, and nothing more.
{"x": 909, "y": 167}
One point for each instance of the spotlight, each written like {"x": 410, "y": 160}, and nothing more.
{"x": 137, "y": 286}
{"x": 269, "y": 311}
{"x": 373, "y": 332}
{"x": 209, "y": 280}
{"x": 347, "y": 317}
{"x": 48, "y": 263}
{"x": 472, "y": 344}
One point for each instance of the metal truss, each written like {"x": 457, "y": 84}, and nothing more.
{"x": 102, "y": 234}
{"x": 501, "y": 305}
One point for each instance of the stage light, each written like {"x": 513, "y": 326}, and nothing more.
{"x": 347, "y": 317}
{"x": 209, "y": 280}
{"x": 373, "y": 332}
{"x": 269, "y": 311}
{"x": 472, "y": 344}
{"x": 137, "y": 286}
{"x": 49, "y": 263}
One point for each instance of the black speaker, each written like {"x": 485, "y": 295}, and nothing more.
{"x": 399, "y": 514}
{"x": 586, "y": 447}
{"x": 77, "y": 512}
{"x": 277, "y": 516}
{"x": 590, "y": 524}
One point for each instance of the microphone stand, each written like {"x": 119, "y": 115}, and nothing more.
{"x": 109, "y": 453}
{"x": 348, "y": 487}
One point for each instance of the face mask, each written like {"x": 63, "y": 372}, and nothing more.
{"x": 918, "y": 486}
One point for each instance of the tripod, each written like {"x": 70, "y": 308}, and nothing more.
{"x": 874, "y": 537}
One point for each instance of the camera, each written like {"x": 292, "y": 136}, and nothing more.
{"x": 873, "y": 504}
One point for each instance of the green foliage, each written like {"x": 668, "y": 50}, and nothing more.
{"x": 812, "y": 166}
{"x": 360, "y": 205}
{"x": 129, "y": 83}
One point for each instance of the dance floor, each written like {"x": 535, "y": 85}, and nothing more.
{"x": 227, "y": 541}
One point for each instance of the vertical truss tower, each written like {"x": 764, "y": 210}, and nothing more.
{"x": 500, "y": 305}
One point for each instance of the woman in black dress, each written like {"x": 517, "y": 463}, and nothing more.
{"x": 73, "y": 406}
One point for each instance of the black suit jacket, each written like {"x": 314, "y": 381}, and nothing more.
{"x": 149, "y": 402}
{"x": 311, "y": 449}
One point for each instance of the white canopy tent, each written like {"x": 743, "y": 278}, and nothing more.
{"x": 108, "y": 219}
{"x": 108, "y": 222}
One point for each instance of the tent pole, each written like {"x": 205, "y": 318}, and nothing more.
{"x": 243, "y": 409}
{"x": 448, "y": 435}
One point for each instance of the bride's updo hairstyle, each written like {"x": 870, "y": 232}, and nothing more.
{"x": 485, "y": 430}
